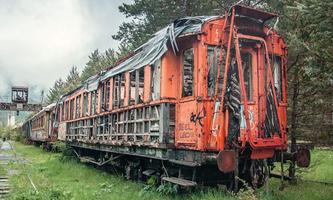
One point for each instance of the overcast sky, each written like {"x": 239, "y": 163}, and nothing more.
{"x": 41, "y": 39}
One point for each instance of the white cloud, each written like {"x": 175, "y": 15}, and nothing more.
{"x": 41, "y": 39}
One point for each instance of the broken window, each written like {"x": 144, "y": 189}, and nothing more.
{"x": 107, "y": 95}
{"x": 102, "y": 99}
{"x": 122, "y": 89}
{"x": 78, "y": 106}
{"x": 67, "y": 110}
{"x": 116, "y": 91}
{"x": 71, "y": 112}
{"x": 62, "y": 110}
{"x": 277, "y": 75}
{"x": 141, "y": 85}
{"x": 155, "y": 80}
{"x": 213, "y": 56}
{"x": 93, "y": 102}
{"x": 188, "y": 73}
{"x": 85, "y": 104}
{"x": 247, "y": 73}
{"x": 96, "y": 101}
{"x": 92, "y": 99}
{"x": 132, "y": 88}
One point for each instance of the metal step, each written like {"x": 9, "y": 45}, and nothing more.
{"x": 180, "y": 181}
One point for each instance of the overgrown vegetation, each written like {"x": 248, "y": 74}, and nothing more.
{"x": 10, "y": 134}
{"x": 56, "y": 178}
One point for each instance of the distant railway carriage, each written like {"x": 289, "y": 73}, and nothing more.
{"x": 40, "y": 128}
{"x": 203, "y": 101}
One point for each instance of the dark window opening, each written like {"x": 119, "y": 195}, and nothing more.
{"x": 93, "y": 102}
{"x": 132, "y": 88}
{"x": 85, "y": 104}
{"x": 116, "y": 91}
{"x": 71, "y": 113}
{"x": 122, "y": 89}
{"x": 188, "y": 73}
{"x": 141, "y": 85}
{"x": 107, "y": 95}
{"x": 213, "y": 56}
{"x": 247, "y": 73}
{"x": 277, "y": 75}
{"x": 102, "y": 99}
{"x": 78, "y": 106}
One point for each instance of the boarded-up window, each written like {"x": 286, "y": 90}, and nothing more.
{"x": 188, "y": 73}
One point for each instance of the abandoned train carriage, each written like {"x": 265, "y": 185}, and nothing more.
{"x": 40, "y": 128}
{"x": 204, "y": 100}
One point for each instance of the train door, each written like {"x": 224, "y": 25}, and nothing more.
{"x": 187, "y": 105}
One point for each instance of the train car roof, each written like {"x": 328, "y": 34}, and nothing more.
{"x": 46, "y": 108}
{"x": 157, "y": 46}
{"x": 152, "y": 50}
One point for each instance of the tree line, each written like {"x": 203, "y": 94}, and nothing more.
{"x": 307, "y": 26}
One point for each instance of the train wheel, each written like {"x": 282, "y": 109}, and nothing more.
{"x": 259, "y": 173}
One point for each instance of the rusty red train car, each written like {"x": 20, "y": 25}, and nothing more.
{"x": 203, "y": 101}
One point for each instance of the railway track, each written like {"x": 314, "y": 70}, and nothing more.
{"x": 5, "y": 159}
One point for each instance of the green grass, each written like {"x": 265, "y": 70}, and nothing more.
{"x": 56, "y": 179}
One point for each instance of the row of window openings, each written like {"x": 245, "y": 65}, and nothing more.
{"x": 38, "y": 123}
{"x": 136, "y": 94}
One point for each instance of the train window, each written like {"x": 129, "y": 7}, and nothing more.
{"x": 71, "y": 112}
{"x": 132, "y": 88}
{"x": 85, "y": 104}
{"x": 188, "y": 73}
{"x": 277, "y": 75}
{"x": 213, "y": 56}
{"x": 122, "y": 89}
{"x": 107, "y": 95}
{"x": 141, "y": 78}
{"x": 247, "y": 73}
{"x": 155, "y": 80}
{"x": 116, "y": 91}
{"x": 102, "y": 99}
{"x": 96, "y": 101}
{"x": 78, "y": 106}
{"x": 93, "y": 102}
{"x": 67, "y": 110}
{"x": 92, "y": 99}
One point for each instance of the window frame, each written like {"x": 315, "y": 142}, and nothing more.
{"x": 193, "y": 73}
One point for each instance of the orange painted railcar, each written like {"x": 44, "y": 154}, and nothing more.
{"x": 203, "y": 93}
